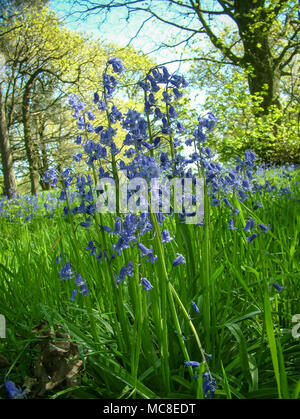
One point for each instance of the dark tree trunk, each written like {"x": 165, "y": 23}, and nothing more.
{"x": 32, "y": 151}
{"x": 263, "y": 73}
{"x": 6, "y": 155}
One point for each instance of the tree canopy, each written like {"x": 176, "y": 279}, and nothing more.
{"x": 259, "y": 39}
{"x": 44, "y": 63}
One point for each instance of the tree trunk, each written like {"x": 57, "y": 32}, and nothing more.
{"x": 32, "y": 152}
{"x": 45, "y": 162}
{"x": 263, "y": 74}
{"x": 6, "y": 155}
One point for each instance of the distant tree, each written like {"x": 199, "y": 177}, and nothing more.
{"x": 9, "y": 11}
{"x": 253, "y": 22}
{"x": 44, "y": 63}
{"x": 274, "y": 136}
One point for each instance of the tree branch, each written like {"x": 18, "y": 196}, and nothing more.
{"x": 216, "y": 41}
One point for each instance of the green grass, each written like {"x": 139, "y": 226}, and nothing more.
{"x": 132, "y": 342}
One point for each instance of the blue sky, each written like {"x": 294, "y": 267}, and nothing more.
{"x": 117, "y": 30}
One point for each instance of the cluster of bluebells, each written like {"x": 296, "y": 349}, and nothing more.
{"x": 139, "y": 144}
{"x": 249, "y": 227}
{"x": 99, "y": 147}
{"x": 223, "y": 186}
{"x": 208, "y": 382}
{"x": 66, "y": 273}
{"x": 125, "y": 271}
{"x": 28, "y": 207}
{"x": 13, "y": 391}
{"x": 103, "y": 153}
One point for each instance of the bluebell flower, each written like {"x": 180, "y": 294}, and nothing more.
{"x": 180, "y": 127}
{"x": 102, "y": 106}
{"x": 84, "y": 290}
{"x": 73, "y": 296}
{"x": 51, "y": 177}
{"x": 208, "y": 122}
{"x": 121, "y": 275}
{"x": 245, "y": 184}
{"x": 77, "y": 157}
{"x": 158, "y": 113}
{"x": 172, "y": 112}
{"x": 117, "y": 227}
{"x": 195, "y": 307}
{"x": 193, "y": 364}
{"x": 249, "y": 225}
{"x": 154, "y": 85}
{"x": 78, "y": 139}
{"x": 215, "y": 202}
{"x": 59, "y": 258}
{"x": 151, "y": 99}
{"x": 86, "y": 224}
{"x": 208, "y": 385}
{"x": 75, "y": 103}
{"x": 207, "y": 151}
{"x": 115, "y": 115}
{"x": 109, "y": 83}
{"x": 147, "y": 252}
{"x": 129, "y": 269}
{"x": 144, "y": 85}
{"x": 250, "y": 158}
{"x": 166, "y": 236}
{"x": 91, "y": 116}
{"x": 62, "y": 195}
{"x": 178, "y": 81}
{"x": 107, "y": 135}
{"x": 89, "y": 127}
{"x": 98, "y": 129}
{"x": 242, "y": 195}
{"x": 129, "y": 153}
{"x": 146, "y": 283}
{"x": 231, "y": 225}
{"x": 251, "y": 238}
{"x": 79, "y": 281}
{"x": 117, "y": 65}
{"x": 179, "y": 259}
{"x": 199, "y": 135}
{"x": 257, "y": 205}
{"x": 96, "y": 97}
{"x": 80, "y": 123}
{"x": 66, "y": 272}
{"x": 177, "y": 93}
{"x": 235, "y": 211}
{"x": 279, "y": 288}
{"x": 13, "y": 391}
{"x": 264, "y": 228}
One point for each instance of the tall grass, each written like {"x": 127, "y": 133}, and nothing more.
{"x": 134, "y": 342}
{"x": 195, "y": 316}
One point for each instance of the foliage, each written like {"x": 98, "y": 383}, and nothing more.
{"x": 154, "y": 305}
{"x": 260, "y": 39}
{"x": 274, "y": 137}
{"x": 47, "y": 62}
